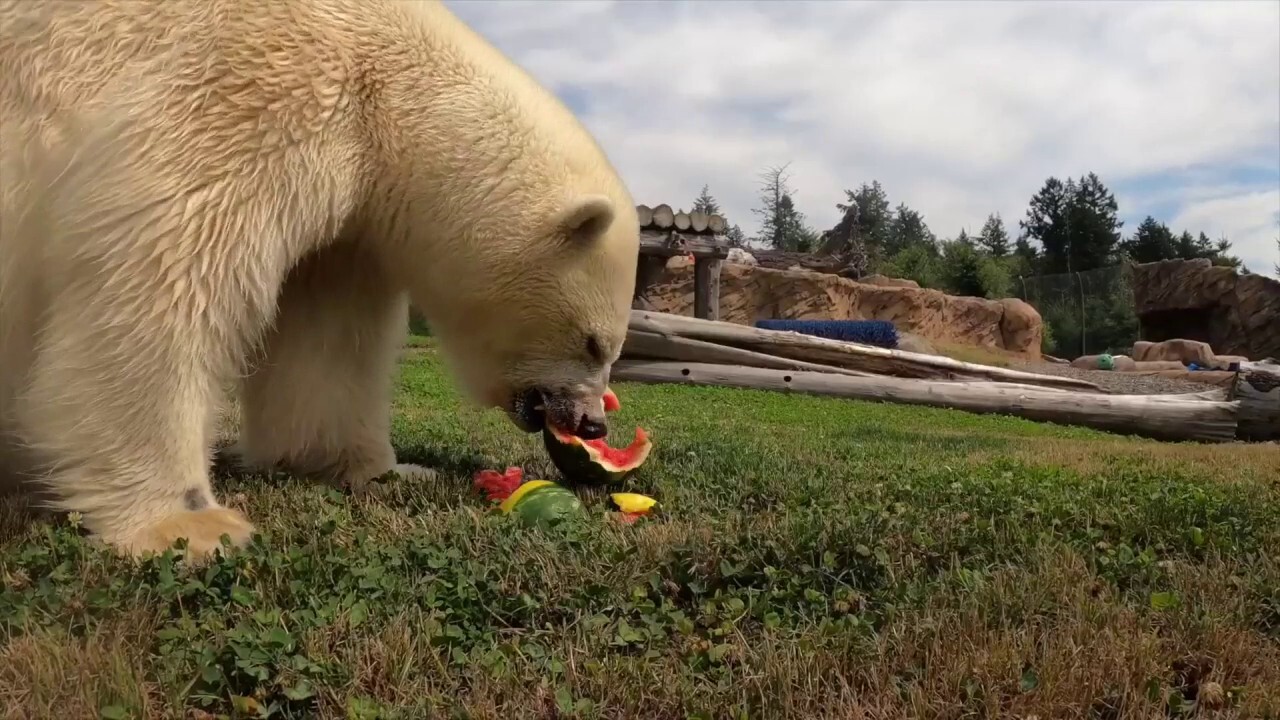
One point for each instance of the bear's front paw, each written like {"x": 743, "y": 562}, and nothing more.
{"x": 380, "y": 484}
{"x": 203, "y": 530}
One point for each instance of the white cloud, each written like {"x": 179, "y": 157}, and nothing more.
{"x": 958, "y": 108}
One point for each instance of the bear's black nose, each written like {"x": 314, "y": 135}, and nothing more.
{"x": 589, "y": 429}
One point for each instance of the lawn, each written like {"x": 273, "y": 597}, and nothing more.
{"x": 815, "y": 558}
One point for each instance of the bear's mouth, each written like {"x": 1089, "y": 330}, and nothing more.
{"x": 536, "y": 408}
{"x": 529, "y": 410}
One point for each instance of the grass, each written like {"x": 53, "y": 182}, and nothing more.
{"x": 815, "y": 558}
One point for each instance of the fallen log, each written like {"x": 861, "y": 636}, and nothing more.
{"x": 852, "y": 356}
{"x": 1259, "y": 396}
{"x": 650, "y": 346}
{"x": 1201, "y": 420}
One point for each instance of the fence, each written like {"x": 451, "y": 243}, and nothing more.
{"x": 1084, "y": 313}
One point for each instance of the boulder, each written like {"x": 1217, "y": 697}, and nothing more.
{"x": 1020, "y": 326}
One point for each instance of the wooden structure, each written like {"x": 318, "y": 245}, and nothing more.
{"x": 667, "y": 348}
{"x": 666, "y": 233}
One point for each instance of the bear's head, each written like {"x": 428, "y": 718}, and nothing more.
{"x": 503, "y": 217}
{"x": 537, "y": 313}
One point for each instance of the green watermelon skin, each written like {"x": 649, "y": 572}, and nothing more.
{"x": 547, "y": 506}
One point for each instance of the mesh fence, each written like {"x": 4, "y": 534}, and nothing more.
{"x": 1084, "y": 313}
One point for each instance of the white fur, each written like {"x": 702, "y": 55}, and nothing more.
{"x": 193, "y": 191}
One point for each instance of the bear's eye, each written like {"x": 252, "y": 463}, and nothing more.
{"x": 593, "y": 349}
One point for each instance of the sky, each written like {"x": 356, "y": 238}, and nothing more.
{"x": 959, "y": 109}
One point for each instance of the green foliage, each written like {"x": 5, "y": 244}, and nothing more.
{"x": 968, "y": 269}
{"x": 705, "y": 203}
{"x": 1089, "y": 313}
{"x": 994, "y": 237}
{"x": 907, "y": 229}
{"x": 418, "y": 324}
{"x": 918, "y": 262}
{"x": 1076, "y": 224}
{"x": 1152, "y": 241}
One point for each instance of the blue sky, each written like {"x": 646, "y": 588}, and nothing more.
{"x": 960, "y": 109}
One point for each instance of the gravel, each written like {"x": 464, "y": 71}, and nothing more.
{"x": 1120, "y": 383}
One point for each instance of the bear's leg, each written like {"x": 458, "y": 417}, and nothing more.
{"x": 115, "y": 420}
{"x": 318, "y": 400}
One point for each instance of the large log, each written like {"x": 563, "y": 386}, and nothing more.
{"x": 1259, "y": 396}
{"x": 663, "y": 216}
{"x": 1201, "y": 420}
{"x": 854, "y": 356}
{"x": 682, "y": 221}
{"x": 698, "y": 221}
{"x": 641, "y": 345}
{"x": 645, "y": 215}
{"x": 716, "y": 224}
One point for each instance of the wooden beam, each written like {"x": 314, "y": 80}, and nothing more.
{"x": 669, "y": 243}
{"x": 1201, "y": 420}
{"x": 706, "y": 288}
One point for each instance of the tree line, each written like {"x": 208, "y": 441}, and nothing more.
{"x": 1070, "y": 225}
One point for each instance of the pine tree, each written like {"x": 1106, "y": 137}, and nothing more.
{"x": 782, "y": 226}
{"x": 994, "y": 237}
{"x": 705, "y": 203}
{"x": 1151, "y": 242}
{"x": 907, "y": 228}
{"x": 1076, "y": 223}
{"x": 1046, "y": 223}
{"x": 1094, "y": 225}
{"x": 736, "y": 237}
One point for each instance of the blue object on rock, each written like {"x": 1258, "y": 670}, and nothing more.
{"x": 880, "y": 333}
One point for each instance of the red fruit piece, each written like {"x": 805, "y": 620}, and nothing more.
{"x": 499, "y": 486}
{"x": 611, "y": 402}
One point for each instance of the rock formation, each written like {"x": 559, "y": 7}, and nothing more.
{"x": 749, "y": 293}
{"x": 1196, "y": 300}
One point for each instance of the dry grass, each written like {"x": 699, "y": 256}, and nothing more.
{"x": 996, "y": 357}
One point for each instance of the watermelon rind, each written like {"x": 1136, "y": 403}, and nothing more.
{"x": 545, "y": 504}
{"x": 580, "y": 462}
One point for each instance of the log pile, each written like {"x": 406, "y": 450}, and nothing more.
{"x": 663, "y": 219}
{"x": 667, "y": 348}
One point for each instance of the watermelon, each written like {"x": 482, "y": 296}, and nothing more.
{"x": 536, "y": 502}
{"x": 594, "y": 461}
{"x": 542, "y": 502}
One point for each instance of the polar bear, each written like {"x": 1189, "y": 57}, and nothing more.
{"x": 197, "y": 192}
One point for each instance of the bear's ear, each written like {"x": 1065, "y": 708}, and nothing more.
{"x": 585, "y": 219}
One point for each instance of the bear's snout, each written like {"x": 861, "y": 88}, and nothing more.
{"x": 581, "y": 416}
